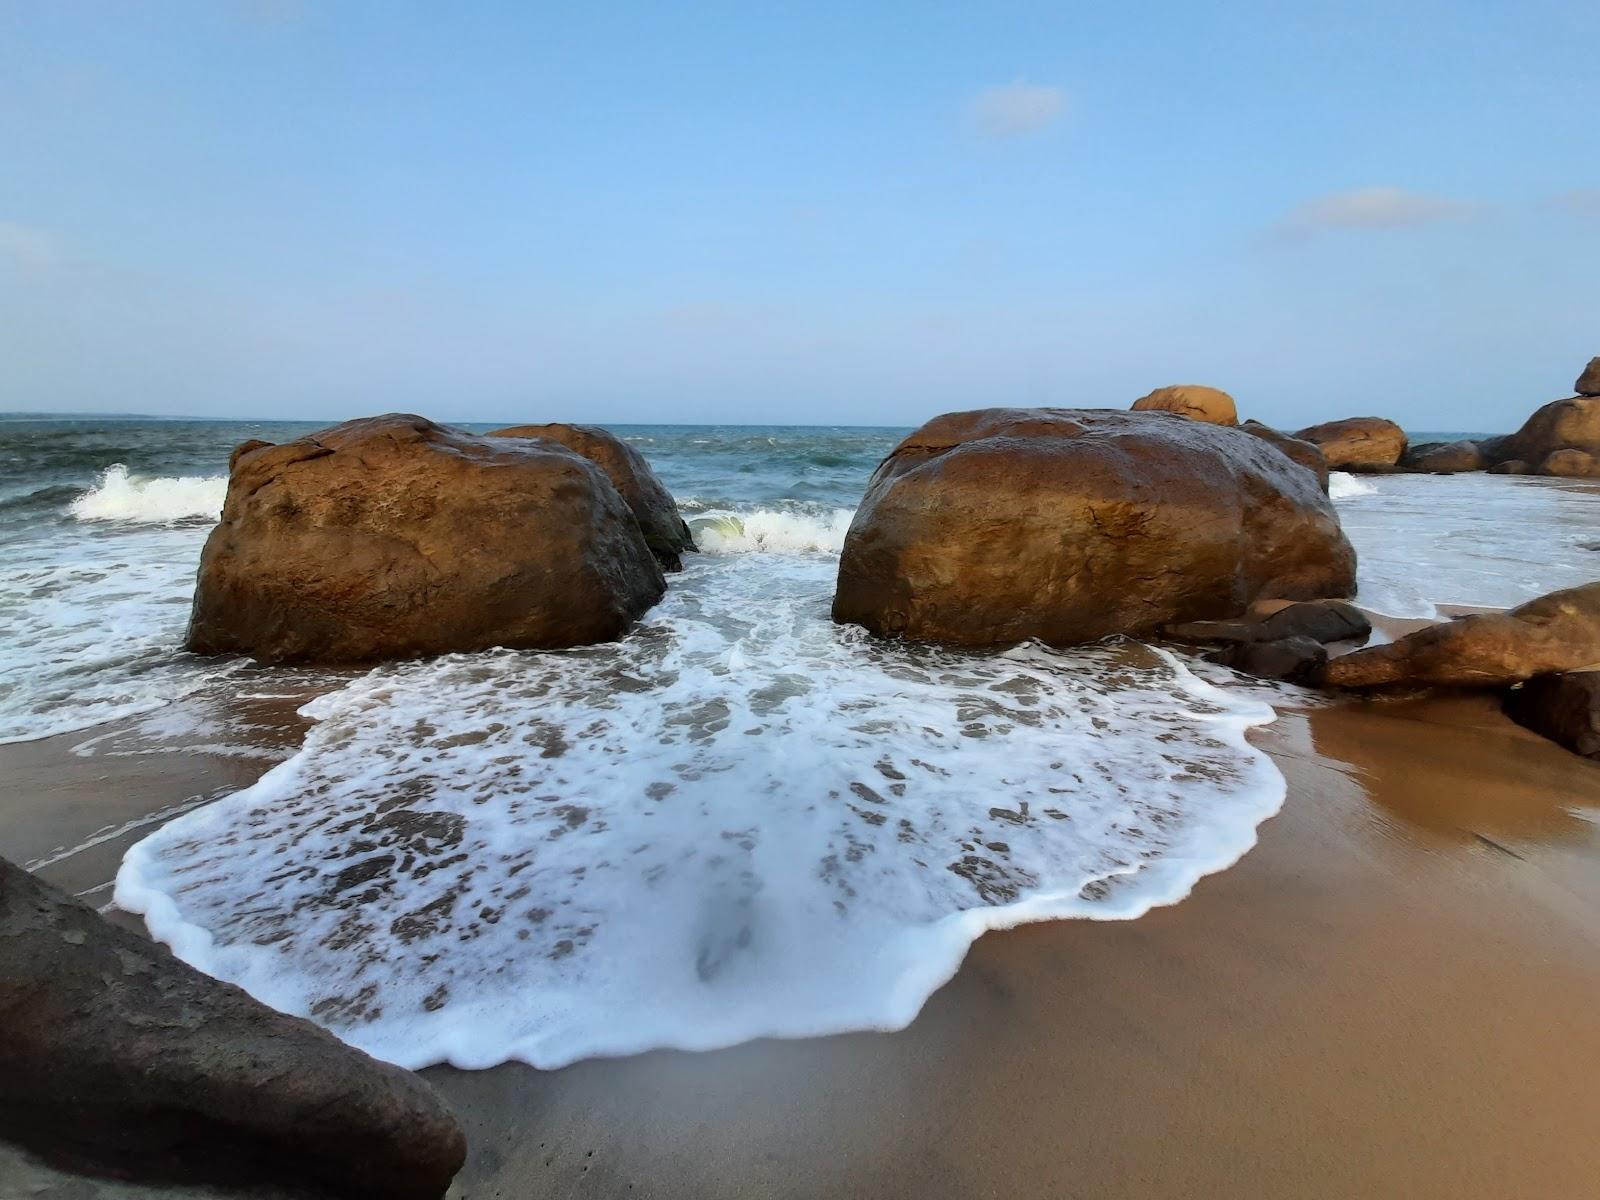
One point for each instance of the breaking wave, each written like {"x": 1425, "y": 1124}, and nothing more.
{"x": 119, "y": 496}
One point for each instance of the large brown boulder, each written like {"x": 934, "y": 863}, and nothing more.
{"x": 118, "y": 1059}
{"x": 1564, "y": 708}
{"x": 1444, "y": 458}
{"x": 1571, "y": 464}
{"x": 665, "y": 531}
{"x": 1556, "y": 632}
{"x": 1191, "y": 400}
{"x": 1569, "y": 424}
{"x": 1358, "y": 443}
{"x": 1589, "y": 382}
{"x": 393, "y": 537}
{"x": 1307, "y": 454}
{"x": 1070, "y": 525}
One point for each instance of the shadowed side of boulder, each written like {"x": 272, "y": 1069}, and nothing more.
{"x": 1308, "y": 454}
{"x": 117, "y": 1059}
{"x": 1557, "y": 632}
{"x": 665, "y": 531}
{"x": 1070, "y": 525}
{"x": 393, "y": 537}
{"x": 1564, "y": 708}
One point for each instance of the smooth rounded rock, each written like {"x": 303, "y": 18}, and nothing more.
{"x": 1192, "y": 400}
{"x": 1444, "y": 458}
{"x": 1358, "y": 443}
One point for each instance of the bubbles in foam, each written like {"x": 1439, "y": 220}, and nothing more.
{"x": 742, "y": 821}
{"x": 1342, "y": 485}
{"x": 119, "y": 496}
{"x": 790, "y": 531}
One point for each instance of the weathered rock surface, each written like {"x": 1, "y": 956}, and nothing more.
{"x": 1069, "y": 525}
{"x": 1589, "y": 382}
{"x": 1358, "y": 443}
{"x": 1571, "y": 464}
{"x": 1444, "y": 458}
{"x": 665, "y": 531}
{"x": 1569, "y": 424}
{"x": 1291, "y": 659}
{"x": 1319, "y": 620}
{"x": 393, "y": 537}
{"x": 1307, "y": 454}
{"x": 1556, "y": 632}
{"x": 116, "y": 1058}
{"x": 1564, "y": 708}
{"x": 1191, "y": 400}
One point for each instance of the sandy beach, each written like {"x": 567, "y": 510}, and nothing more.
{"x": 1388, "y": 996}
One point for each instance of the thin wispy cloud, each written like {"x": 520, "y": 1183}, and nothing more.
{"x": 1370, "y": 208}
{"x": 1016, "y": 109}
{"x": 25, "y": 246}
{"x": 1580, "y": 202}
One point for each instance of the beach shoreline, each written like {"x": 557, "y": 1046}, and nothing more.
{"x": 1385, "y": 996}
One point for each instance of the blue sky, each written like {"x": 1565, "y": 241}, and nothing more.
{"x": 811, "y": 213}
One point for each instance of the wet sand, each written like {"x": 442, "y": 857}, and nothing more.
{"x": 1392, "y": 995}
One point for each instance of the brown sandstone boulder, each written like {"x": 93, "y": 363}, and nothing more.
{"x": 393, "y": 537}
{"x": 1564, "y": 708}
{"x": 1556, "y": 632}
{"x": 653, "y": 506}
{"x": 1191, "y": 400}
{"x": 1070, "y": 525}
{"x": 1307, "y": 454}
{"x": 117, "y": 1059}
{"x": 1570, "y": 424}
{"x": 1444, "y": 458}
{"x": 1571, "y": 464}
{"x": 1589, "y": 382}
{"x": 1358, "y": 443}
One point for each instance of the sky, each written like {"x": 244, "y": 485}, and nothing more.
{"x": 823, "y": 213}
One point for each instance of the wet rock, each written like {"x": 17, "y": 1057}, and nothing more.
{"x": 117, "y": 1059}
{"x": 1291, "y": 659}
{"x": 1212, "y": 633}
{"x": 1307, "y": 454}
{"x": 1571, "y": 464}
{"x": 1564, "y": 708}
{"x": 1069, "y": 525}
{"x": 1319, "y": 620}
{"x": 1557, "y": 632}
{"x": 1358, "y": 443}
{"x": 1444, "y": 458}
{"x": 1589, "y": 382}
{"x": 1191, "y": 400}
{"x": 665, "y": 531}
{"x": 393, "y": 537}
{"x": 1511, "y": 466}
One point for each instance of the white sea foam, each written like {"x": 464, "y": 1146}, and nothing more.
{"x": 119, "y": 496}
{"x": 773, "y": 531}
{"x": 741, "y": 821}
{"x": 1342, "y": 485}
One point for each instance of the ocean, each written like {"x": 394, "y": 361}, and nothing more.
{"x": 740, "y": 821}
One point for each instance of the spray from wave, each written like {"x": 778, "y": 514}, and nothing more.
{"x": 773, "y": 532}
{"x": 120, "y": 496}
{"x": 1342, "y": 485}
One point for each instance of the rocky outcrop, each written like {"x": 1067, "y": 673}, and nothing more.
{"x": 1563, "y": 708}
{"x": 1191, "y": 400}
{"x": 1571, "y": 464}
{"x": 1589, "y": 381}
{"x": 1443, "y": 458}
{"x": 393, "y": 537}
{"x": 117, "y": 1059}
{"x": 1069, "y": 525}
{"x": 1307, "y": 454}
{"x": 665, "y": 531}
{"x": 1358, "y": 443}
{"x": 1557, "y": 632}
{"x": 1569, "y": 424}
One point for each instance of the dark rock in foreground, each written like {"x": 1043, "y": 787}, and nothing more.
{"x": 1291, "y": 659}
{"x": 117, "y": 1059}
{"x": 1319, "y": 620}
{"x": 1564, "y": 708}
{"x": 665, "y": 531}
{"x": 1358, "y": 443}
{"x": 1557, "y": 632}
{"x": 1192, "y": 400}
{"x": 393, "y": 537}
{"x": 1069, "y": 525}
{"x": 1443, "y": 458}
{"x": 1308, "y": 454}
{"x": 1589, "y": 381}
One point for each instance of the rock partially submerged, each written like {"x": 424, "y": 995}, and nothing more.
{"x": 1069, "y": 525}
{"x": 1564, "y": 708}
{"x": 1555, "y": 633}
{"x": 393, "y": 537}
{"x": 1358, "y": 443}
{"x": 1569, "y": 424}
{"x": 1444, "y": 458}
{"x": 118, "y": 1059}
{"x": 1191, "y": 400}
{"x": 664, "y": 528}
{"x": 1571, "y": 464}
{"x": 1290, "y": 659}
{"x": 1319, "y": 620}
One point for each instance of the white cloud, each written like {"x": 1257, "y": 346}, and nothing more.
{"x": 1016, "y": 109}
{"x": 25, "y": 246}
{"x": 1371, "y": 208}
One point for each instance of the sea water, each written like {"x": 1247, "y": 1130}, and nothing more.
{"x": 740, "y": 821}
